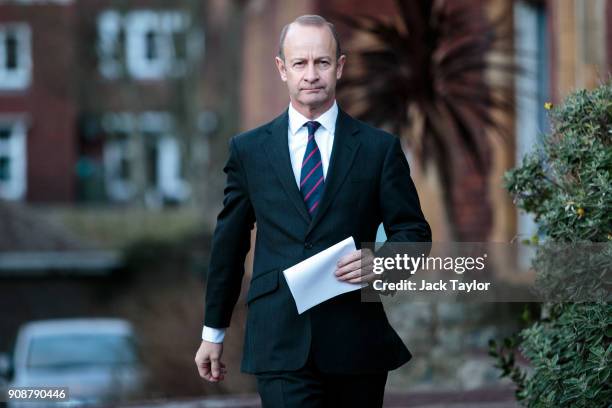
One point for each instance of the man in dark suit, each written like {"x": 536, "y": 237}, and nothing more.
{"x": 310, "y": 178}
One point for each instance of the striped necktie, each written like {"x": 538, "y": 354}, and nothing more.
{"x": 311, "y": 179}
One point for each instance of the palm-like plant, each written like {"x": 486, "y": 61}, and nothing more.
{"x": 426, "y": 76}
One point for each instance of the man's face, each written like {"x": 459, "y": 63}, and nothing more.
{"x": 310, "y": 68}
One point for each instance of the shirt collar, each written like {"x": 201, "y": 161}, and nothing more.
{"x": 327, "y": 119}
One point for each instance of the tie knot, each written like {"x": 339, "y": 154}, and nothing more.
{"x": 312, "y": 126}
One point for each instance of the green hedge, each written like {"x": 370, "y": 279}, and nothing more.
{"x": 567, "y": 185}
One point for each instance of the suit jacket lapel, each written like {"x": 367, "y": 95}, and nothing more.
{"x": 344, "y": 149}
{"x": 276, "y": 145}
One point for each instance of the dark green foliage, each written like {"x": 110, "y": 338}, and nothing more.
{"x": 571, "y": 356}
{"x": 574, "y": 272}
{"x": 567, "y": 185}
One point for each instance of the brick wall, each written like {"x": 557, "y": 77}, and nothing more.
{"x": 49, "y": 102}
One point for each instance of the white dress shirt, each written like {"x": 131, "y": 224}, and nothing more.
{"x": 298, "y": 139}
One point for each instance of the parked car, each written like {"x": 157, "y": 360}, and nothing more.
{"x": 5, "y": 367}
{"x": 96, "y": 359}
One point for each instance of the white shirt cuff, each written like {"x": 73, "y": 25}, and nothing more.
{"x": 213, "y": 335}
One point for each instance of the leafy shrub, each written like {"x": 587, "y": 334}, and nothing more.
{"x": 567, "y": 185}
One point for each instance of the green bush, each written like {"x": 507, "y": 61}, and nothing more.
{"x": 571, "y": 357}
{"x": 567, "y": 185}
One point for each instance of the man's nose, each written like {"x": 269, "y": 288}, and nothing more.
{"x": 311, "y": 74}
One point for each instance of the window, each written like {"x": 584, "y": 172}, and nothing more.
{"x": 12, "y": 160}
{"x": 15, "y": 60}
{"x": 61, "y": 350}
{"x": 110, "y": 44}
{"x": 532, "y": 82}
{"x": 532, "y": 92}
{"x": 119, "y": 155}
{"x": 150, "y": 43}
{"x": 160, "y": 162}
{"x": 169, "y": 180}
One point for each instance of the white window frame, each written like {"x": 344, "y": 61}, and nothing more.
{"x": 136, "y": 25}
{"x": 170, "y": 183}
{"x": 159, "y": 125}
{"x": 110, "y": 25}
{"x": 19, "y": 78}
{"x": 115, "y": 151}
{"x": 15, "y": 149}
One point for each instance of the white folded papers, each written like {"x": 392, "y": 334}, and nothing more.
{"x": 313, "y": 281}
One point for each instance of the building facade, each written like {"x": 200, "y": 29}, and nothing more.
{"x": 103, "y": 102}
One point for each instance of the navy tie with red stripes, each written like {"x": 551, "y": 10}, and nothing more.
{"x": 311, "y": 178}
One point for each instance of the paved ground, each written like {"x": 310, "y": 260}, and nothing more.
{"x": 484, "y": 398}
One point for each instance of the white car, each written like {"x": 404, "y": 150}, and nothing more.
{"x": 96, "y": 359}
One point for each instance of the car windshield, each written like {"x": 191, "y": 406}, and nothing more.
{"x": 57, "y": 351}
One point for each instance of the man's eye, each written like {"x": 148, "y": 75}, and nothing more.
{"x": 298, "y": 64}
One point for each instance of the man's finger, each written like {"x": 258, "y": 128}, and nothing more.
{"x": 358, "y": 274}
{"x": 354, "y": 266}
{"x": 204, "y": 369}
{"x": 365, "y": 278}
{"x": 209, "y": 377}
{"x": 215, "y": 368}
{"x": 206, "y": 372}
{"x": 346, "y": 259}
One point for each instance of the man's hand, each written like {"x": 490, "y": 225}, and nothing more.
{"x": 356, "y": 267}
{"x": 208, "y": 360}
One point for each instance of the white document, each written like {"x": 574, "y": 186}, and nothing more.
{"x": 313, "y": 281}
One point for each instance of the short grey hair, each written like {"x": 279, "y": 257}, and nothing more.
{"x": 309, "y": 20}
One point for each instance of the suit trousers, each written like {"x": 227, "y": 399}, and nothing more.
{"x": 308, "y": 387}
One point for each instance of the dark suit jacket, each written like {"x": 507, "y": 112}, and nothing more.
{"x": 368, "y": 182}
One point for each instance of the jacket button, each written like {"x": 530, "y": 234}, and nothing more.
{"x": 308, "y": 245}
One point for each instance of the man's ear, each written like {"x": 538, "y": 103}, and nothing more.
{"x": 340, "y": 66}
{"x": 280, "y": 65}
